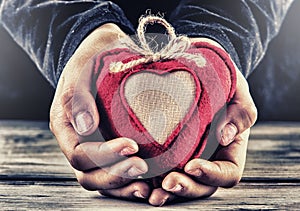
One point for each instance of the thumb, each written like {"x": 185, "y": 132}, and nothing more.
{"x": 78, "y": 100}
{"x": 85, "y": 116}
{"x": 239, "y": 115}
{"x": 80, "y": 107}
{"x": 76, "y": 79}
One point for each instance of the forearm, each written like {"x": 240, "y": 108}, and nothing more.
{"x": 243, "y": 27}
{"x": 51, "y": 31}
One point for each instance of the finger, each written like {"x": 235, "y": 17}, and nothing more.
{"x": 75, "y": 94}
{"x": 81, "y": 110}
{"x": 135, "y": 190}
{"x": 240, "y": 115}
{"x": 217, "y": 173}
{"x": 228, "y": 167}
{"x": 112, "y": 177}
{"x": 159, "y": 197}
{"x": 90, "y": 155}
{"x": 78, "y": 101}
{"x": 184, "y": 186}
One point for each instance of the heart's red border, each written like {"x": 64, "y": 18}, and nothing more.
{"x": 178, "y": 128}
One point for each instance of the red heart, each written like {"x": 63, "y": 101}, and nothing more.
{"x": 124, "y": 113}
{"x": 154, "y": 99}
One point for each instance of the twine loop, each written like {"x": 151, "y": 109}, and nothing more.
{"x": 174, "y": 49}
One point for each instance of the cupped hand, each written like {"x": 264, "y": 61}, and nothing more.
{"x": 201, "y": 178}
{"x": 74, "y": 120}
{"x": 240, "y": 114}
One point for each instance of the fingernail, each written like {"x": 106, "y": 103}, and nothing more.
{"x": 163, "y": 202}
{"x": 228, "y": 133}
{"x": 176, "y": 188}
{"x": 169, "y": 185}
{"x": 127, "y": 151}
{"x": 139, "y": 195}
{"x": 195, "y": 172}
{"x": 84, "y": 122}
{"x": 134, "y": 171}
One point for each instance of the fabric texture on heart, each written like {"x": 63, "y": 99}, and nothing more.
{"x": 157, "y": 100}
{"x": 167, "y": 106}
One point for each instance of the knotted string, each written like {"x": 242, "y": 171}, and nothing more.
{"x": 176, "y": 47}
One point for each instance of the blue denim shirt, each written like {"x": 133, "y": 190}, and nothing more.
{"x": 50, "y": 31}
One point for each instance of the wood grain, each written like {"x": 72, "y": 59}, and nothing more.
{"x": 31, "y": 195}
{"x": 274, "y": 152}
{"x": 35, "y": 175}
{"x": 29, "y": 150}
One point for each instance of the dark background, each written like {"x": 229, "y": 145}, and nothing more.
{"x": 25, "y": 94}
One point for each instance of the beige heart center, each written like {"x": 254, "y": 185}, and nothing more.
{"x": 160, "y": 102}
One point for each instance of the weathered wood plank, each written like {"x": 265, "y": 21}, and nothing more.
{"x": 69, "y": 196}
{"x": 274, "y": 151}
{"x": 35, "y": 175}
{"x": 29, "y": 150}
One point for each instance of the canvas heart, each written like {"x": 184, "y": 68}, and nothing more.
{"x": 166, "y": 106}
{"x": 155, "y": 98}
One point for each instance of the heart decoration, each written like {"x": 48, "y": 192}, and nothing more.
{"x": 164, "y": 100}
{"x": 157, "y": 100}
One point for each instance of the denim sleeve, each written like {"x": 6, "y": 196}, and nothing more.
{"x": 50, "y": 31}
{"x": 243, "y": 27}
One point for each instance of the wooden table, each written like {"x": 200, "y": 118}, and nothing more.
{"x": 35, "y": 175}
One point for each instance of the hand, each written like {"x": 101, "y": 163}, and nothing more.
{"x": 240, "y": 114}
{"x": 202, "y": 177}
{"x": 74, "y": 120}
